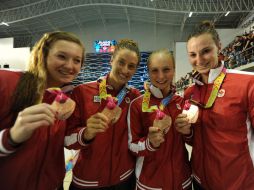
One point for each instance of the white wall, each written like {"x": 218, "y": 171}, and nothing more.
{"x": 182, "y": 63}
{"x": 16, "y": 58}
{"x": 228, "y": 35}
{"x": 6, "y": 43}
{"x": 148, "y": 37}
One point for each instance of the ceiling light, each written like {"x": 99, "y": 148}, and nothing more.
{"x": 190, "y": 14}
{"x": 227, "y": 13}
{"x": 4, "y": 23}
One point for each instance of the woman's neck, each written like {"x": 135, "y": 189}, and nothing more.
{"x": 165, "y": 91}
{"x": 53, "y": 85}
{"x": 112, "y": 82}
{"x": 205, "y": 78}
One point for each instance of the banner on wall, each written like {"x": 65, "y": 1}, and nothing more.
{"x": 104, "y": 46}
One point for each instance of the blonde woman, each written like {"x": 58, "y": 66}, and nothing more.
{"x": 31, "y": 138}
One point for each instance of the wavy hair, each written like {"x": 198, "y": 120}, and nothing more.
{"x": 127, "y": 44}
{"x": 32, "y": 84}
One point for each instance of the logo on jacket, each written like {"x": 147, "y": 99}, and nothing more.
{"x": 221, "y": 93}
{"x": 96, "y": 99}
{"x": 127, "y": 100}
{"x": 178, "y": 106}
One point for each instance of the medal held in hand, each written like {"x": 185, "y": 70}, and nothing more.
{"x": 191, "y": 111}
{"x": 162, "y": 121}
{"x": 63, "y": 105}
{"x": 112, "y": 110}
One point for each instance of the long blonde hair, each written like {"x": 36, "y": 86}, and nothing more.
{"x": 164, "y": 52}
{"x": 32, "y": 83}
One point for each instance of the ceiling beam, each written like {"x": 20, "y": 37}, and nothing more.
{"x": 128, "y": 18}
{"x": 102, "y": 17}
{"x": 155, "y": 27}
{"x": 45, "y": 7}
{"x": 183, "y": 24}
{"x": 69, "y": 13}
{"x": 247, "y": 21}
{"x": 27, "y": 28}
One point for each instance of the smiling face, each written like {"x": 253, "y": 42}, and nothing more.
{"x": 203, "y": 53}
{"x": 63, "y": 62}
{"x": 161, "y": 71}
{"x": 124, "y": 65}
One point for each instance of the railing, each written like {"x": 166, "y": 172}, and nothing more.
{"x": 241, "y": 58}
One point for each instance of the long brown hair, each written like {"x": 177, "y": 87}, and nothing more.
{"x": 206, "y": 27}
{"x": 32, "y": 84}
{"x": 127, "y": 44}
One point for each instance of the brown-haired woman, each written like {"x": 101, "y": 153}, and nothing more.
{"x": 31, "y": 139}
{"x": 223, "y": 143}
{"x": 104, "y": 161}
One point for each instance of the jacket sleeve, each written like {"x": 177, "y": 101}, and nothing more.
{"x": 251, "y": 101}
{"x": 138, "y": 141}
{"x": 188, "y": 139}
{"x": 76, "y": 124}
{"x": 6, "y": 146}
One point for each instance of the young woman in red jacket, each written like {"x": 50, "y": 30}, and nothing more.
{"x": 162, "y": 159}
{"x": 31, "y": 138}
{"x": 223, "y": 136}
{"x": 99, "y": 125}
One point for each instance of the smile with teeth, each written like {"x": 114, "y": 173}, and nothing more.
{"x": 123, "y": 76}
{"x": 203, "y": 66}
{"x": 65, "y": 73}
{"x": 161, "y": 82}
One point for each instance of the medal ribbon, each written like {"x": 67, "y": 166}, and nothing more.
{"x": 216, "y": 87}
{"x": 146, "y": 101}
{"x": 104, "y": 94}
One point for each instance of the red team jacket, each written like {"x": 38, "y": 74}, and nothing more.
{"x": 106, "y": 161}
{"x": 37, "y": 164}
{"x": 163, "y": 168}
{"x": 223, "y": 142}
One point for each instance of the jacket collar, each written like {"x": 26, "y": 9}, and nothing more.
{"x": 213, "y": 74}
{"x": 155, "y": 91}
{"x": 109, "y": 86}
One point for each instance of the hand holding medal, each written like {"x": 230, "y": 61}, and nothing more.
{"x": 112, "y": 111}
{"x": 191, "y": 111}
{"x": 63, "y": 105}
{"x": 162, "y": 121}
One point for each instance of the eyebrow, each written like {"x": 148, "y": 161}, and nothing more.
{"x": 207, "y": 47}
{"x": 165, "y": 67}
{"x": 65, "y": 52}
